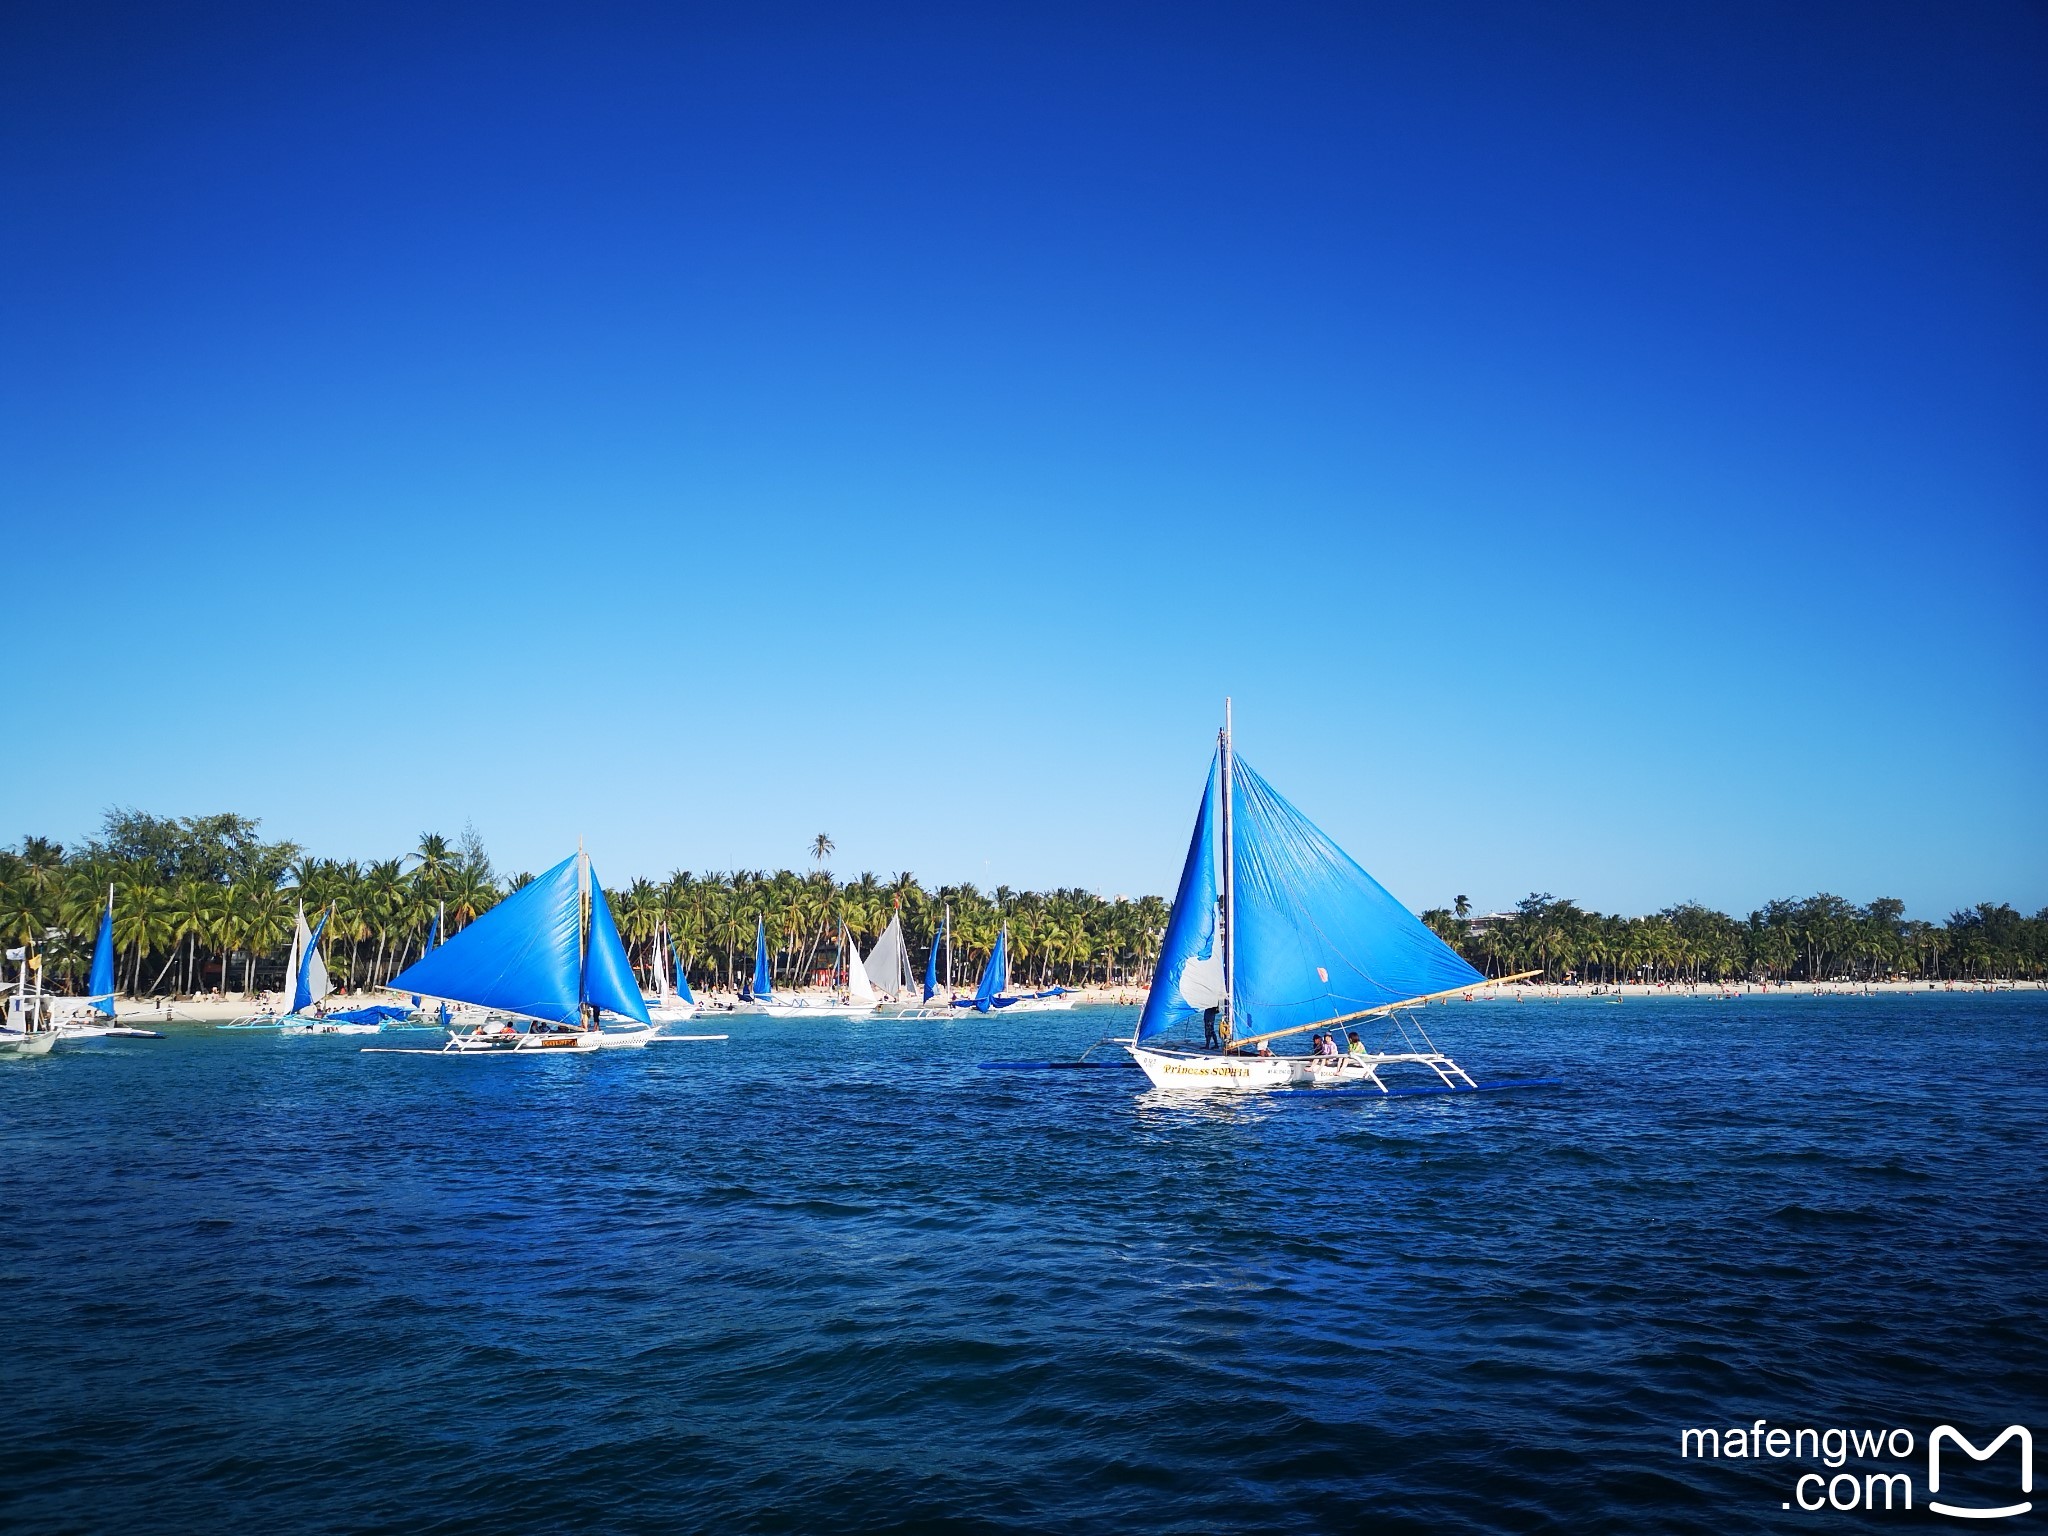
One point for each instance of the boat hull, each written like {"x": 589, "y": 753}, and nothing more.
{"x": 1190, "y": 1070}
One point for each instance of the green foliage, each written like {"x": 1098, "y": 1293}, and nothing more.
{"x": 1820, "y": 938}
{"x": 203, "y": 901}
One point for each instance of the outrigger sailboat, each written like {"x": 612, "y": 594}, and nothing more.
{"x": 1290, "y": 936}
{"x": 672, "y": 1001}
{"x": 856, "y": 995}
{"x": 942, "y": 943}
{"x": 36, "y": 1021}
{"x": 992, "y": 994}
{"x": 549, "y": 964}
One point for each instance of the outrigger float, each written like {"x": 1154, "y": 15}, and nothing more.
{"x": 1276, "y": 932}
{"x": 548, "y": 964}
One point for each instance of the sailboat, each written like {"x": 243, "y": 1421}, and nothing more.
{"x": 992, "y": 994}
{"x": 852, "y": 992}
{"x": 888, "y": 964}
{"x": 942, "y": 942}
{"x": 548, "y": 963}
{"x": 36, "y": 1021}
{"x": 305, "y": 983}
{"x": 672, "y": 1002}
{"x": 1288, "y": 936}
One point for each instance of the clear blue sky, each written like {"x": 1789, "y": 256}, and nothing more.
{"x": 1602, "y": 447}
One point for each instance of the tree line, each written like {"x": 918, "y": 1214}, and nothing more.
{"x": 203, "y": 901}
{"x": 1817, "y": 938}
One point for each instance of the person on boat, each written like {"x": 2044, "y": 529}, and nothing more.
{"x": 1265, "y": 1048}
{"x": 1209, "y": 1028}
{"x": 1357, "y": 1051}
{"x": 1326, "y": 1047}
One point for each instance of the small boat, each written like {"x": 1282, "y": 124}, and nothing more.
{"x": 672, "y": 1002}
{"x": 942, "y": 942}
{"x": 372, "y": 1020}
{"x": 548, "y": 964}
{"x": 992, "y": 995}
{"x": 36, "y": 1021}
{"x": 888, "y": 965}
{"x": 1290, "y": 937}
{"x": 852, "y": 993}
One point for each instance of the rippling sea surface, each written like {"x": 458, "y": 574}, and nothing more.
{"x": 834, "y": 1277}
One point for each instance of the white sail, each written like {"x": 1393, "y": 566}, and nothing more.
{"x": 662, "y": 990}
{"x": 300, "y": 936}
{"x": 858, "y": 988}
{"x": 888, "y": 964}
{"x": 317, "y": 984}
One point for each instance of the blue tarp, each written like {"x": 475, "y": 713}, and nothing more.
{"x": 381, "y": 1013}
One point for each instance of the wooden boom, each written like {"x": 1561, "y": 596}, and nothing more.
{"x": 1367, "y": 1013}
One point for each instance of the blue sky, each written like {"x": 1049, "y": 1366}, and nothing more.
{"x": 1600, "y": 447}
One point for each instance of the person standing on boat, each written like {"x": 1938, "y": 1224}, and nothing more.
{"x": 1209, "y": 1038}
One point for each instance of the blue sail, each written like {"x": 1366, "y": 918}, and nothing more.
{"x": 521, "y": 956}
{"x": 99, "y": 985}
{"x": 931, "y": 961}
{"x": 682, "y": 976}
{"x": 995, "y": 975}
{"x": 302, "y": 994}
{"x": 764, "y": 976}
{"x": 1188, "y": 977}
{"x": 608, "y": 979}
{"x": 1317, "y": 936}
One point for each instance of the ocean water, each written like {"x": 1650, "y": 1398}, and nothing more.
{"x": 834, "y": 1278}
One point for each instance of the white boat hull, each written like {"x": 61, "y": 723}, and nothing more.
{"x": 807, "y": 1009}
{"x": 1192, "y": 1070}
{"x": 32, "y": 1043}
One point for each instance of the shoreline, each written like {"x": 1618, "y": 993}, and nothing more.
{"x": 220, "y": 1010}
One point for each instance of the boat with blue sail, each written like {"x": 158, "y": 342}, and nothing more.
{"x": 547, "y": 964}
{"x": 942, "y": 944}
{"x": 851, "y": 992}
{"x": 37, "y": 1020}
{"x": 673, "y": 1002}
{"x": 992, "y": 993}
{"x": 1277, "y": 933}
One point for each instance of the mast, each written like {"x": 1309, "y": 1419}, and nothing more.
{"x": 583, "y": 928}
{"x": 1229, "y": 889}
{"x": 949, "y": 949}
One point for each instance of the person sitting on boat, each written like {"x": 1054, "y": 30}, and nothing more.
{"x": 1357, "y": 1051}
{"x": 1326, "y": 1047}
{"x": 1265, "y": 1048}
